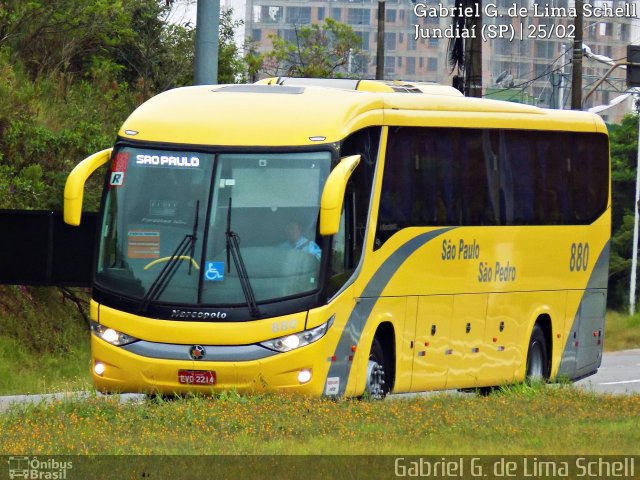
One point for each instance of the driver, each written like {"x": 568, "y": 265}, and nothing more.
{"x": 297, "y": 241}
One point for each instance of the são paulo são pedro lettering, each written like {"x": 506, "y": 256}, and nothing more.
{"x": 489, "y": 270}
{"x": 460, "y": 250}
{"x": 515, "y": 467}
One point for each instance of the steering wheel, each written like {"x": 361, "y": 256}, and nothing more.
{"x": 166, "y": 259}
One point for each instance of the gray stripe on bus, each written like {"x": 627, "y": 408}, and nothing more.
{"x": 597, "y": 284}
{"x": 341, "y": 367}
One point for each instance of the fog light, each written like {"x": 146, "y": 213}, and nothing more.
{"x": 99, "y": 368}
{"x": 304, "y": 376}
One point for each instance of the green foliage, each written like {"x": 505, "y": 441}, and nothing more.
{"x": 158, "y": 55}
{"x": 61, "y": 36}
{"x": 622, "y": 331}
{"x": 72, "y": 71}
{"x": 23, "y": 371}
{"x": 624, "y": 145}
{"x": 24, "y": 319}
{"x": 253, "y": 60}
{"x": 231, "y": 64}
{"x": 321, "y": 51}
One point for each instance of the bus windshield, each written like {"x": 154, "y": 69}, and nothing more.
{"x": 211, "y": 229}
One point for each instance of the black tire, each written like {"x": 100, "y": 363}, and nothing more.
{"x": 378, "y": 381}
{"x": 537, "y": 357}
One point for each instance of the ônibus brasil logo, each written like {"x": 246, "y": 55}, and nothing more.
{"x": 37, "y": 469}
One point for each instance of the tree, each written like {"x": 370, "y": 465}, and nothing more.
{"x": 624, "y": 147}
{"x": 327, "y": 50}
{"x": 159, "y": 54}
{"x": 231, "y": 65}
{"x": 253, "y": 60}
{"x": 61, "y": 36}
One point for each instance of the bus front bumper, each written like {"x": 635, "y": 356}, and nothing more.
{"x": 116, "y": 370}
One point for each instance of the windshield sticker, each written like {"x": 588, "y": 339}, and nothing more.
{"x": 118, "y": 169}
{"x": 117, "y": 179}
{"x": 120, "y": 162}
{"x": 168, "y": 161}
{"x": 143, "y": 244}
{"x": 214, "y": 271}
{"x": 227, "y": 182}
{"x": 163, "y": 208}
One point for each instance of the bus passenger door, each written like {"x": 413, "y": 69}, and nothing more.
{"x": 466, "y": 355}
{"x": 431, "y": 342}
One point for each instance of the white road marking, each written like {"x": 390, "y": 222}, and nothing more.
{"x": 618, "y": 383}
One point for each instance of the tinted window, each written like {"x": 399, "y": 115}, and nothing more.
{"x": 438, "y": 176}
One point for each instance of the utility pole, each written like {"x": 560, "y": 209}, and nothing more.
{"x": 576, "y": 76}
{"x": 380, "y": 51}
{"x": 473, "y": 59}
{"x": 561, "y": 89}
{"x": 206, "y": 56}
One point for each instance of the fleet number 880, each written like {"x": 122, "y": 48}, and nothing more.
{"x": 579, "y": 259}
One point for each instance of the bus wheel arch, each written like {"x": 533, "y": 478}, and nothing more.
{"x": 381, "y": 364}
{"x": 539, "y": 350}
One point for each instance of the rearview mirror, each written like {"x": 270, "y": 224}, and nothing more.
{"x": 333, "y": 195}
{"x": 74, "y": 188}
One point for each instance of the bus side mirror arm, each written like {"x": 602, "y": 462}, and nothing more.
{"x": 333, "y": 195}
{"x": 74, "y": 187}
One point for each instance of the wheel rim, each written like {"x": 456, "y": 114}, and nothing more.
{"x": 375, "y": 379}
{"x": 535, "y": 370}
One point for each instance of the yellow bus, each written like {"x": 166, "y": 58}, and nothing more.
{"x": 347, "y": 238}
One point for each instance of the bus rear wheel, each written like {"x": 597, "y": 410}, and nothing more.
{"x": 537, "y": 357}
{"x": 378, "y": 382}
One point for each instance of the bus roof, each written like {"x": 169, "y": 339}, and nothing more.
{"x": 382, "y": 86}
{"x": 264, "y": 115}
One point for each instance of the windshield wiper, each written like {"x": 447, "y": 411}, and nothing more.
{"x": 233, "y": 250}
{"x": 187, "y": 244}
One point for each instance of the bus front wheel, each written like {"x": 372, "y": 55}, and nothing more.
{"x": 537, "y": 357}
{"x": 377, "y": 372}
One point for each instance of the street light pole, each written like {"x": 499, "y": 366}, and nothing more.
{"x": 206, "y": 56}
{"x": 576, "y": 74}
{"x": 380, "y": 50}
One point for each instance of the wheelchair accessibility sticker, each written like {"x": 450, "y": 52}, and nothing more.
{"x": 214, "y": 271}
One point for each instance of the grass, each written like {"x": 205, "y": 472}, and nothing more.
{"x": 22, "y": 371}
{"x": 622, "y": 332}
{"x": 44, "y": 341}
{"x": 536, "y": 420}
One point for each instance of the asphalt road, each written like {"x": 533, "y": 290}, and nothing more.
{"x": 618, "y": 374}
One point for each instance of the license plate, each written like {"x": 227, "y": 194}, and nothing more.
{"x": 197, "y": 377}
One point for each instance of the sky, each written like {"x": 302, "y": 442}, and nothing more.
{"x": 185, "y": 11}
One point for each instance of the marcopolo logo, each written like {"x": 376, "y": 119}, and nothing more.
{"x": 38, "y": 469}
{"x": 175, "y": 313}
{"x": 168, "y": 161}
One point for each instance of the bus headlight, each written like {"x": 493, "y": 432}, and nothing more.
{"x": 110, "y": 335}
{"x": 297, "y": 340}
